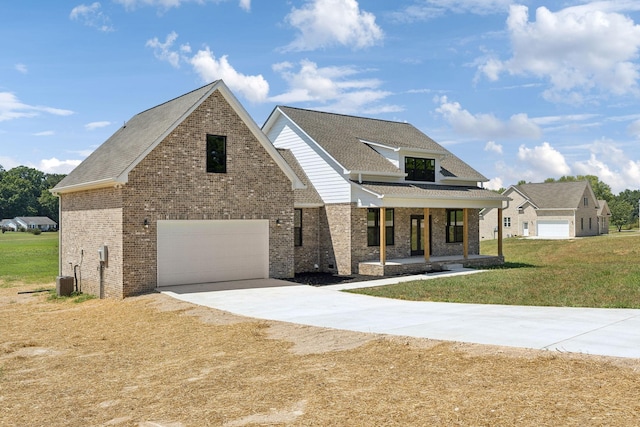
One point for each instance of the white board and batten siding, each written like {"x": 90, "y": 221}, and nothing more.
{"x": 327, "y": 177}
{"x": 205, "y": 251}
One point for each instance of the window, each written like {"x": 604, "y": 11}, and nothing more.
{"x": 455, "y": 229}
{"x": 216, "y": 154}
{"x": 507, "y": 221}
{"x": 297, "y": 227}
{"x": 586, "y": 201}
{"x": 373, "y": 227}
{"x": 418, "y": 169}
{"x": 590, "y": 223}
{"x": 581, "y": 223}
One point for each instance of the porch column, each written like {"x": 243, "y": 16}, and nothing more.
{"x": 425, "y": 237}
{"x": 465, "y": 233}
{"x": 499, "y": 231}
{"x": 383, "y": 236}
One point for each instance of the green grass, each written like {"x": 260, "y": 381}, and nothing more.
{"x": 26, "y": 258}
{"x": 601, "y": 271}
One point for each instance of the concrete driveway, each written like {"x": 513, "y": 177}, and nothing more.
{"x": 609, "y": 332}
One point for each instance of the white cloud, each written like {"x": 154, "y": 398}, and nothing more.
{"x": 492, "y": 146}
{"x": 44, "y": 133}
{"x": 326, "y": 23}
{"x": 494, "y": 184}
{"x": 253, "y": 88}
{"x": 542, "y": 161}
{"x": 335, "y": 88}
{"x": 96, "y": 125}
{"x": 611, "y": 164}
{"x": 11, "y": 108}
{"x": 634, "y": 129}
{"x": 54, "y": 165}
{"x": 168, "y": 4}
{"x": 91, "y": 16}
{"x": 486, "y": 126}
{"x": 21, "y": 68}
{"x": 430, "y": 9}
{"x": 163, "y": 51}
{"x": 580, "y": 50}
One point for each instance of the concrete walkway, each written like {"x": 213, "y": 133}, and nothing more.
{"x": 609, "y": 332}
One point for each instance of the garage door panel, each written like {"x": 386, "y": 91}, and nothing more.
{"x": 553, "y": 228}
{"x": 211, "y": 251}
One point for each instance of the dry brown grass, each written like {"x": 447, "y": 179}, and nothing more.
{"x": 154, "y": 361}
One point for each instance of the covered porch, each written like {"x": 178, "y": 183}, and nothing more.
{"x": 452, "y": 240}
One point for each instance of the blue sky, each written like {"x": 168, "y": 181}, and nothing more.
{"x": 521, "y": 90}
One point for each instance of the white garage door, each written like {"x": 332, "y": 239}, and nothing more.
{"x": 556, "y": 228}
{"x": 192, "y": 252}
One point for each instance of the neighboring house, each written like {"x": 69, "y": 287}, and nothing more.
{"x": 548, "y": 210}
{"x": 35, "y": 222}
{"x": 388, "y": 199}
{"x": 190, "y": 191}
{"x": 8, "y": 225}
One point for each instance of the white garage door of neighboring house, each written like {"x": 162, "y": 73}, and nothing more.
{"x": 555, "y": 228}
{"x": 192, "y": 252}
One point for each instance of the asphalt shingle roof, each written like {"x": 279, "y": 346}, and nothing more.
{"x": 123, "y": 148}
{"x": 306, "y": 196}
{"x": 341, "y": 136}
{"x": 554, "y": 195}
{"x": 435, "y": 191}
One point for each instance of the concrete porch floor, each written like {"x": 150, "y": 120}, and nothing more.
{"x": 417, "y": 264}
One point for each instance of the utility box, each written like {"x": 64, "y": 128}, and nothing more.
{"x": 64, "y": 286}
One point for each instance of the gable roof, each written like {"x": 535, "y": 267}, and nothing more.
{"x": 35, "y": 220}
{"x": 345, "y": 139}
{"x": 554, "y": 195}
{"x": 304, "y": 197}
{"x": 110, "y": 164}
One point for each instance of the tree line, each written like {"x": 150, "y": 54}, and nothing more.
{"x": 623, "y": 207}
{"x": 25, "y": 191}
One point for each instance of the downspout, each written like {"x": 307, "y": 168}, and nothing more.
{"x": 59, "y": 235}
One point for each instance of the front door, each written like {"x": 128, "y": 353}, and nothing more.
{"x": 417, "y": 234}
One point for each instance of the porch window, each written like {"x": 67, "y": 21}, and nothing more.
{"x": 216, "y": 154}
{"x": 455, "y": 229}
{"x": 373, "y": 227}
{"x": 418, "y": 169}
{"x": 297, "y": 227}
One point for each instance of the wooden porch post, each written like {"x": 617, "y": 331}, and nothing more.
{"x": 465, "y": 233}
{"x": 383, "y": 235}
{"x": 499, "y": 231}
{"x": 425, "y": 237}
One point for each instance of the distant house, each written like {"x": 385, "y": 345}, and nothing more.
{"x": 548, "y": 210}
{"x": 8, "y": 225}
{"x": 42, "y": 223}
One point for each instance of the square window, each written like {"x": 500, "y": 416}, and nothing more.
{"x": 418, "y": 169}
{"x": 216, "y": 154}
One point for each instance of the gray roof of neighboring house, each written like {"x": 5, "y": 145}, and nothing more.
{"x": 434, "y": 191}
{"x": 36, "y": 220}
{"x": 554, "y": 195}
{"x": 341, "y": 136}
{"x": 113, "y": 158}
{"x": 306, "y": 196}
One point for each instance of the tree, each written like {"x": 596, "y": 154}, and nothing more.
{"x": 631, "y": 197}
{"x": 621, "y": 213}
{"x": 24, "y": 191}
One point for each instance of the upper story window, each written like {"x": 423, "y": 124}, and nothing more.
{"x": 216, "y": 154}
{"x": 418, "y": 169}
{"x": 586, "y": 201}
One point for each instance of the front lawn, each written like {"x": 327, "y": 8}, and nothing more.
{"x": 26, "y": 258}
{"x": 598, "y": 271}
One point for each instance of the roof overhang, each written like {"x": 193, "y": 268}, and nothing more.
{"x": 86, "y": 186}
